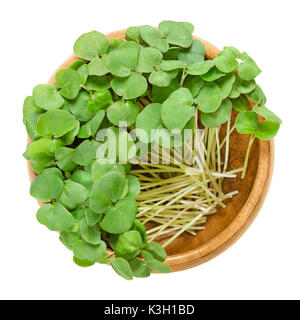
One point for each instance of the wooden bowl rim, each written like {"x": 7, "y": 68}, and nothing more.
{"x": 244, "y": 218}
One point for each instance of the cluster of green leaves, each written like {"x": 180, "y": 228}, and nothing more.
{"x": 92, "y": 204}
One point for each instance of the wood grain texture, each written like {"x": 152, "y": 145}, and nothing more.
{"x": 225, "y": 227}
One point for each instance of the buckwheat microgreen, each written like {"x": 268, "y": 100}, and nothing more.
{"x": 145, "y": 91}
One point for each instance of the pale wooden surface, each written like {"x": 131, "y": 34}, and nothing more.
{"x": 225, "y": 227}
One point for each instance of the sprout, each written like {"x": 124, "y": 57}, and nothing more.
{"x": 147, "y": 91}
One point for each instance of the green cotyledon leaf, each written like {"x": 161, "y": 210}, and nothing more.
{"x": 120, "y": 217}
{"x": 106, "y": 191}
{"x": 55, "y": 217}
{"x": 90, "y": 45}
{"x": 55, "y": 123}
{"x": 121, "y": 267}
{"x": 177, "y": 110}
{"x": 47, "y": 97}
{"x": 69, "y": 81}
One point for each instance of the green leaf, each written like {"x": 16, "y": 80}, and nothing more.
{"x": 98, "y": 83}
{"x": 209, "y": 98}
{"x": 149, "y": 119}
{"x": 92, "y": 217}
{"x": 156, "y": 250}
{"x": 131, "y": 87}
{"x": 82, "y": 263}
{"x": 212, "y": 75}
{"x": 26, "y": 154}
{"x": 64, "y": 159}
{"x": 55, "y": 217}
{"x": 177, "y": 110}
{"x": 47, "y": 97}
{"x": 153, "y": 38}
{"x": 91, "y": 127}
{"x": 100, "y": 100}
{"x": 124, "y": 59}
{"x": 78, "y": 214}
{"x": 160, "y": 94}
{"x": 226, "y": 63}
{"x": 172, "y": 53}
{"x": 232, "y": 51}
{"x": 69, "y": 137}
{"x": 225, "y": 84}
{"x": 69, "y": 81}
{"x": 39, "y": 163}
{"x": 189, "y": 26}
{"x": 69, "y": 238}
{"x": 30, "y": 125}
{"x": 30, "y": 109}
{"x": 83, "y": 72}
{"x": 79, "y": 106}
{"x": 160, "y": 78}
{"x": 52, "y": 172}
{"x": 118, "y": 146}
{"x": 246, "y": 122}
{"x": 89, "y": 234}
{"x": 258, "y": 96}
{"x": 103, "y": 259}
{"x": 122, "y": 111}
{"x": 200, "y": 68}
{"x": 84, "y": 153}
{"x": 122, "y": 268}
{"x": 194, "y": 84}
{"x": 106, "y": 191}
{"x": 84, "y": 178}
{"x": 77, "y": 64}
{"x": 126, "y": 167}
{"x": 248, "y": 69}
{"x": 88, "y": 252}
{"x": 241, "y": 103}
{"x": 218, "y": 117}
{"x": 90, "y": 45}
{"x": 176, "y": 33}
{"x": 46, "y": 187}
{"x": 100, "y": 169}
{"x": 128, "y": 245}
{"x": 119, "y": 219}
{"x": 98, "y": 67}
{"x": 154, "y": 264}
{"x": 139, "y": 268}
{"x": 44, "y": 147}
{"x": 196, "y": 53}
{"x": 140, "y": 228}
{"x": 148, "y": 59}
{"x": 267, "y": 130}
{"x": 234, "y": 94}
{"x": 114, "y": 43}
{"x": 55, "y": 123}
{"x": 133, "y": 34}
{"x": 112, "y": 240}
{"x": 134, "y": 186}
{"x": 169, "y": 65}
{"x": 245, "y": 86}
{"x": 267, "y": 114}
{"x": 73, "y": 195}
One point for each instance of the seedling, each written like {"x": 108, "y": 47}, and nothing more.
{"x": 155, "y": 80}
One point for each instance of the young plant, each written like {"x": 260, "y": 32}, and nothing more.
{"x": 155, "y": 79}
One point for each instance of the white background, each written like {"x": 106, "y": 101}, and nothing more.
{"x": 36, "y": 36}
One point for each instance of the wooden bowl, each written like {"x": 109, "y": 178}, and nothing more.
{"x": 225, "y": 227}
